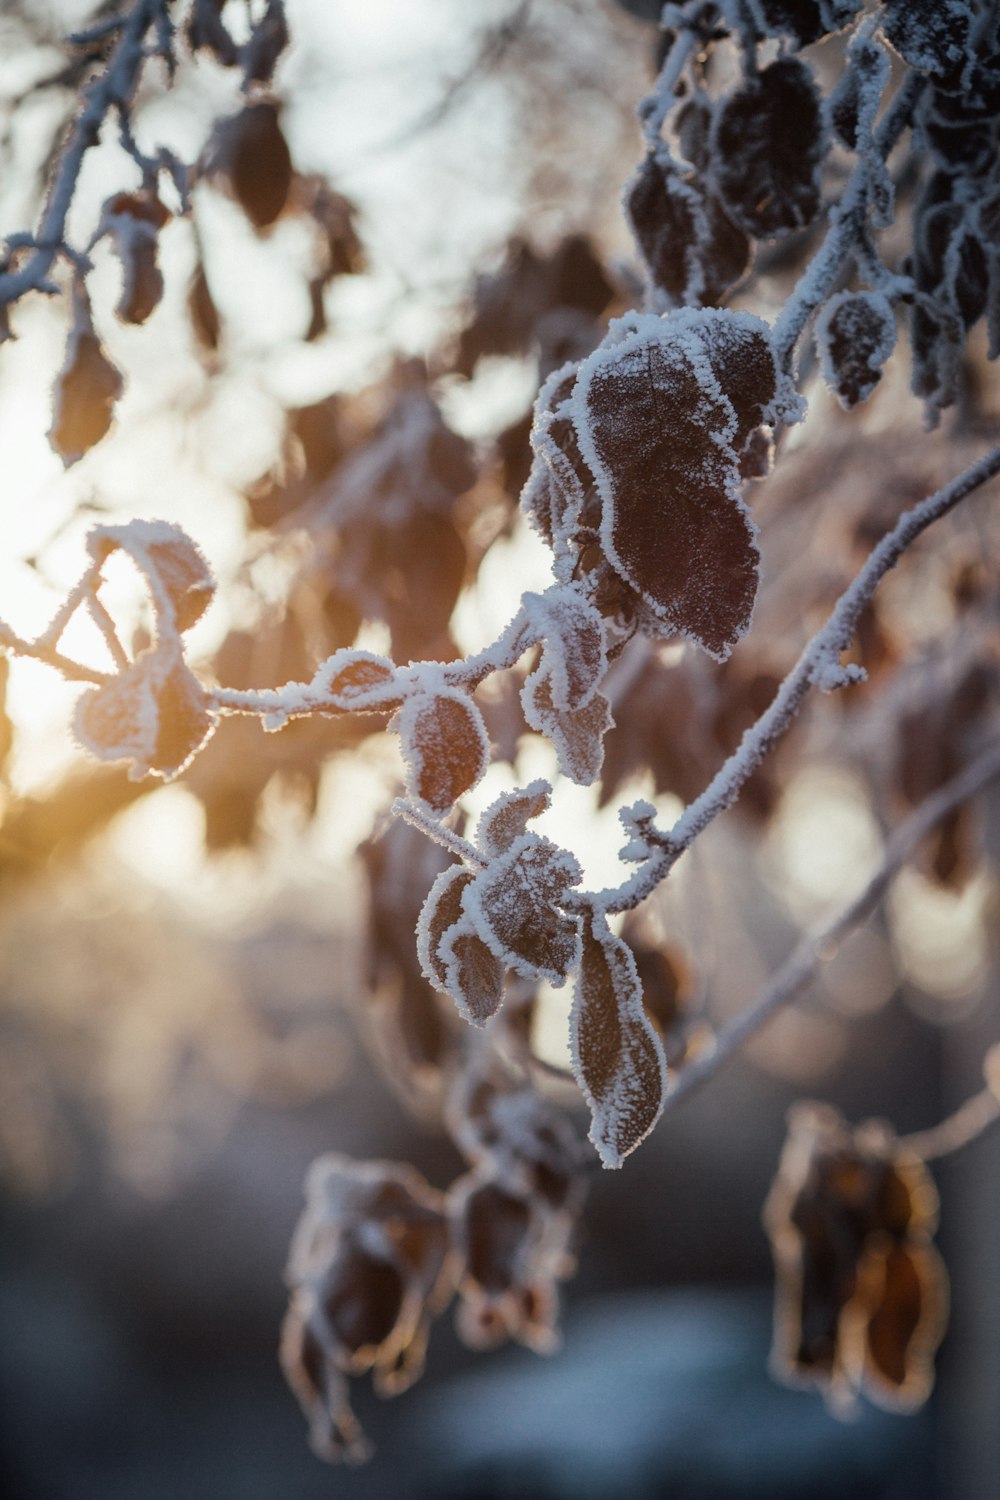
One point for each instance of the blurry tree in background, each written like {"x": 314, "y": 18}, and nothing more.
{"x": 600, "y": 514}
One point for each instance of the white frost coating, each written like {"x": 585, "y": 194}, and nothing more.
{"x": 476, "y": 1009}
{"x": 507, "y": 818}
{"x": 448, "y": 758}
{"x": 574, "y": 655}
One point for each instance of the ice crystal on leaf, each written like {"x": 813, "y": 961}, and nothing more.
{"x": 577, "y": 734}
{"x": 508, "y": 817}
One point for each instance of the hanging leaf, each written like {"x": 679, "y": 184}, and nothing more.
{"x": 768, "y": 146}
{"x": 86, "y": 388}
{"x": 674, "y": 524}
{"x": 133, "y": 222}
{"x": 577, "y": 734}
{"x": 445, "y": 747}
{"x": 574, "y": 657}
{"x": 251, "y": 156}
{"x": 617, "y": 1055}
{"x": 855, "y": 335}
{"x": 931, "y": 35}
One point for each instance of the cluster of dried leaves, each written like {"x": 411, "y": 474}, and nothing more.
{"x": 634, "y": 467}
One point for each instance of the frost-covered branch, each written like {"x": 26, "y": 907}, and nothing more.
{"x": 817, "y": 948}
{"x": 112, "y": 89}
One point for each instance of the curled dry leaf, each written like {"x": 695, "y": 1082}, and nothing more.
{"x": 577, "y": 734}
{"x": 368, "y": 1267}
{"x": 862, "y": 1295}
{"x": 154, "y": 714}
{"x": 133, "y": 222}
{"x": 508, "y": 817}
{"x": 179, "y": 579}
{"x": 617, "y": 1054}
{"x": 445, "y": 746}
{"x": 452, "y": 955}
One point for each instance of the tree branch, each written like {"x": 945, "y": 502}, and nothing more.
{"x": 111, "y": 89}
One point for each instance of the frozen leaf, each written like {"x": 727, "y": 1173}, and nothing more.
{"x": 931, "y": 35}
{"x": 577, "y": 734}
{"x": 473, "y": 973}
{"x": 617, "y": 1055}
{"x": 356, "y": 680}
{"x": 574, "y": 656}
{"x": 179, "y": 579}
{"x": 153, "y": 714}
{"x": 674, "y": 523}
{"x": 507, "y": 818}
{"x": 513, "y": 904}
{"x": 445, "y": 746}
{"x": 86, "y": 388}
{"x": 855, "y": 335}
{"x": 768, "y": 146}
{"x": 694, "y": 251}
{"x": 440, "y": 911}
{"x": 368, "y": 1266}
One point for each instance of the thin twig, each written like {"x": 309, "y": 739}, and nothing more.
{"x": 959, "y": 1129}
{"x": 112, "y": 88}
{"x": 818, "y": 947}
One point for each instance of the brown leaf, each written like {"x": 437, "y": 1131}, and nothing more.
{"x": 578, "y": 735}
{"x": 440, "y": 911}
{"x": 473, "y": 973}
{"x": 86, "y": 388}
{"x": 514, "y": 907}
{"x": 508, "y": 817}
{"x": 617, "y": 1056}
{"x": 674, "y": 526}
{"x": 445, "y": 747}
